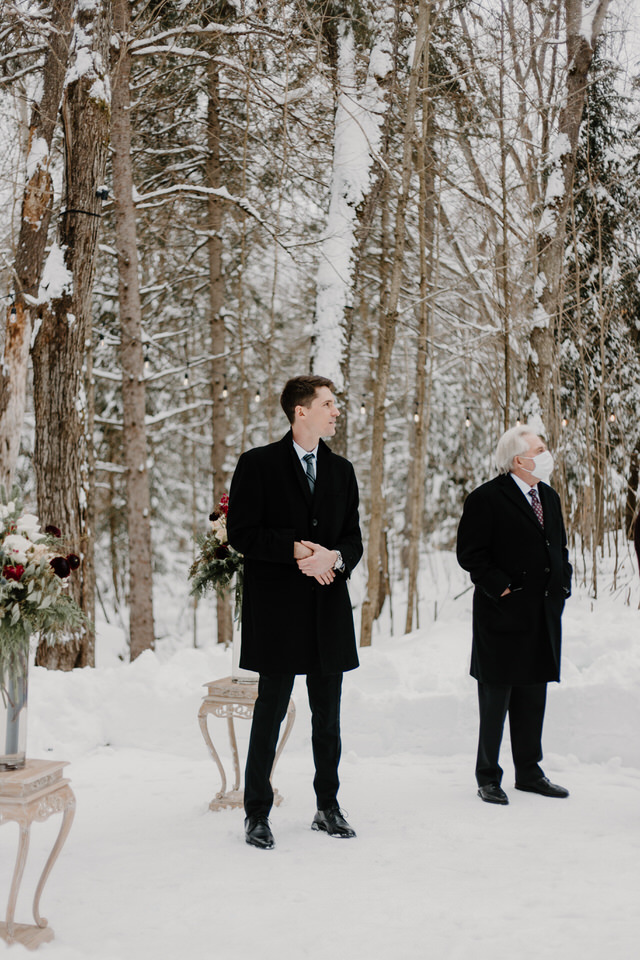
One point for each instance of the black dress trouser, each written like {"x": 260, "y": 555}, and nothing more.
{"x": 269, "y": 711}
{"x": 525, "y": 704}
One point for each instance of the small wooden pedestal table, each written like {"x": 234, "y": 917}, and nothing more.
{"x": 235, "y": 698}
{"x": 34, "y": 792}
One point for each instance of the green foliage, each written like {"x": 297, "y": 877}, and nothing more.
{"x": 214, "y": 567}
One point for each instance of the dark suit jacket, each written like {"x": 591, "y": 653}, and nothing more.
{"x": 517, "y": 638}
{"x": 290, "y": 622}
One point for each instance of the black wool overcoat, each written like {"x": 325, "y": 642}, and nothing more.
{"x": 290, "y": 622}
{"x": 517, "y": 638}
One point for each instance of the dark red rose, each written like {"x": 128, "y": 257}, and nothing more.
{"x": 74, "y": 561}
{"x": 213, "y": 516}
{"x": 223, "y": 506}
{"x": 54, "y": 531}
{"x": 13, "y": 572}
{"x": 61, "y": 566}
{"x": 221, "y": 553}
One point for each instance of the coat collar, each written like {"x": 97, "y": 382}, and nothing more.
{"x": 324, "y": 467}
{"x": 513, "y": 492}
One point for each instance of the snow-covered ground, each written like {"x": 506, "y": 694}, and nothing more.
{"x": 150, "y": 873}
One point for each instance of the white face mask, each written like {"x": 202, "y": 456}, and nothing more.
{"x": 542, "y": 466}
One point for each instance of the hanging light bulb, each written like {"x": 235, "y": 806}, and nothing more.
{"x": 225, "y": 392}
{"x": 565, "y": 422}
{"x": 13, "y": 313}
{"x": 363, "y": 408}
{"x": 186, "y": 377}
{"x": 257, "y": 396}
{"x": 612, "y": 418}
{"x": 467, "y": 419}
{"x": 147, "y": 362}
{"x": 518, "y": 421}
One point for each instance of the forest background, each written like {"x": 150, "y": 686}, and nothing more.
{"x": 434, "y": 203}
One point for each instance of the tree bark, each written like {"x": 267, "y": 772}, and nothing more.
{"x": 34, "y": 225}
{"x": 215, "y": 211}
{"x": 141, "y": 628}
{"x": 550, "y": 242}
{"x": 63, "y": 393}
{"x": 371, "y": 606}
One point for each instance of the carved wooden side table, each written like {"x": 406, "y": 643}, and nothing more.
{"x": 34, "y": 792}
{"x": 230, "y": 698}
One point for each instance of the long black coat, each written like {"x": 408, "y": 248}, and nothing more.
{"x": 290, "y": 622}
{"x": 517, "y": 638}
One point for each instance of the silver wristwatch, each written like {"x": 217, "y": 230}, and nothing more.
{"x": 339, "y": 564}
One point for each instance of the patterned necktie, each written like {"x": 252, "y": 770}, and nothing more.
{"x": 311, "y": 473}
{"x": 537, "y": 506}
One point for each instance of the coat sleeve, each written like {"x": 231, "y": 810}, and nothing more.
{"x": 247, "y": 509}
{"x": 474, "y": 546}
{"x": 350, "y": 541}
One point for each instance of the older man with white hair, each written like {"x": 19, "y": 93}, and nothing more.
{"x": 511, "y": 539}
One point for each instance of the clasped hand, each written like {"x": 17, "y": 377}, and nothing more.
{"x": 315, "y": 561}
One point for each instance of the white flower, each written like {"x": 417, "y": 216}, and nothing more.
{"x": 219, "y": 527}
{"x": 29, "y": 525}
{"x": 16, "y": 547}
{"x": 6, "y": 510}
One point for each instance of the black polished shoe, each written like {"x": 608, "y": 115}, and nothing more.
{"x": 492, "y": 793}
{"x": 333, "y": 823}
{"x": 544, "y": 787}
{"x": 257, "y": 832}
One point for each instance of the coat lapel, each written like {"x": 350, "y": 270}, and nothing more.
{"x": 324, "y": 474}
{"x": 517, "y": 497}
{"x": 293, "y": 460}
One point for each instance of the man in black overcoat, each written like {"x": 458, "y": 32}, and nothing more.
{"x": 511, "y": 539}
{"x": 293, "y": 513}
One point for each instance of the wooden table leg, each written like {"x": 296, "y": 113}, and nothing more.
{"x": 65, "y": 826}
{"x": 21, "y": 859}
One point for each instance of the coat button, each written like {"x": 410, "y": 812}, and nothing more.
{"x": 546, "y": 593}
{"x": 547, "y": 569}
{"x": 314, "y": 522}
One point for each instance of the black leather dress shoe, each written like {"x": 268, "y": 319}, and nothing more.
{"x": 257, "y": 832}
{"x": 543, "y": 787}
{"x": 333, "y": 823}
{"x": 492, "y": 793}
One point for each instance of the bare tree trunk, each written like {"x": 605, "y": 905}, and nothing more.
{"x": 552, "y": 231}
{"x": 215, "y": 210}
{"x": 63, "y": 396}
{"x": 36, "y": 214}
{"x": 371, "y": 606}
{"x": 419, "y": 446}
{"x": 141, "y": 630}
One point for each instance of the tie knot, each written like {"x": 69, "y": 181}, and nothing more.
{"x": 308, "y": 457}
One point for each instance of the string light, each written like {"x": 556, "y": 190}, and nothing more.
{"x": 565, "y": 422}
{"x": 257, "y": 396}
{"x": 186, "y": 377}
{"x": 467, "y": 419}
{"x": 416, "y": 414}
{"x": 13, "y": 313}
{"x": 147, "y": 362}
{"x": 225, "y": 392}
{"x": 518, "y": 421}
{"x": 612, "y": 418}
{"x": 363, "y": 408}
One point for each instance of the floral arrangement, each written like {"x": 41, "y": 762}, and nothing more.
{"x": 217, "y": 562}
{"x": 34, "y": 571}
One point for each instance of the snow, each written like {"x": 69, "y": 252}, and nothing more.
{"x": 57, "y": 280}
{"x": 150, "y": 873}
{"x": 38, "y": 155}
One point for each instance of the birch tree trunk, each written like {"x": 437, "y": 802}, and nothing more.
{"x": 63, "y": 393}
{"x": 582, "y": 30}
{"x": 34, "y": 226}
{"x": 141, "y": 631}
{"x": 215, "y": 210}
{"x": 371, "y": 607}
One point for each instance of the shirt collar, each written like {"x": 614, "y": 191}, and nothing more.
{"x": 302, "y": 452}
{"x": 524, "y": 486}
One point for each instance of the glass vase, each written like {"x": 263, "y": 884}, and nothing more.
{"x": 14, "y": 676}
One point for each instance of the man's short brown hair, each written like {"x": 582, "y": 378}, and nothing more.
{"x": 300, "y": 391}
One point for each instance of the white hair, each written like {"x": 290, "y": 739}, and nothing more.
{"x": 512, "y": 444}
